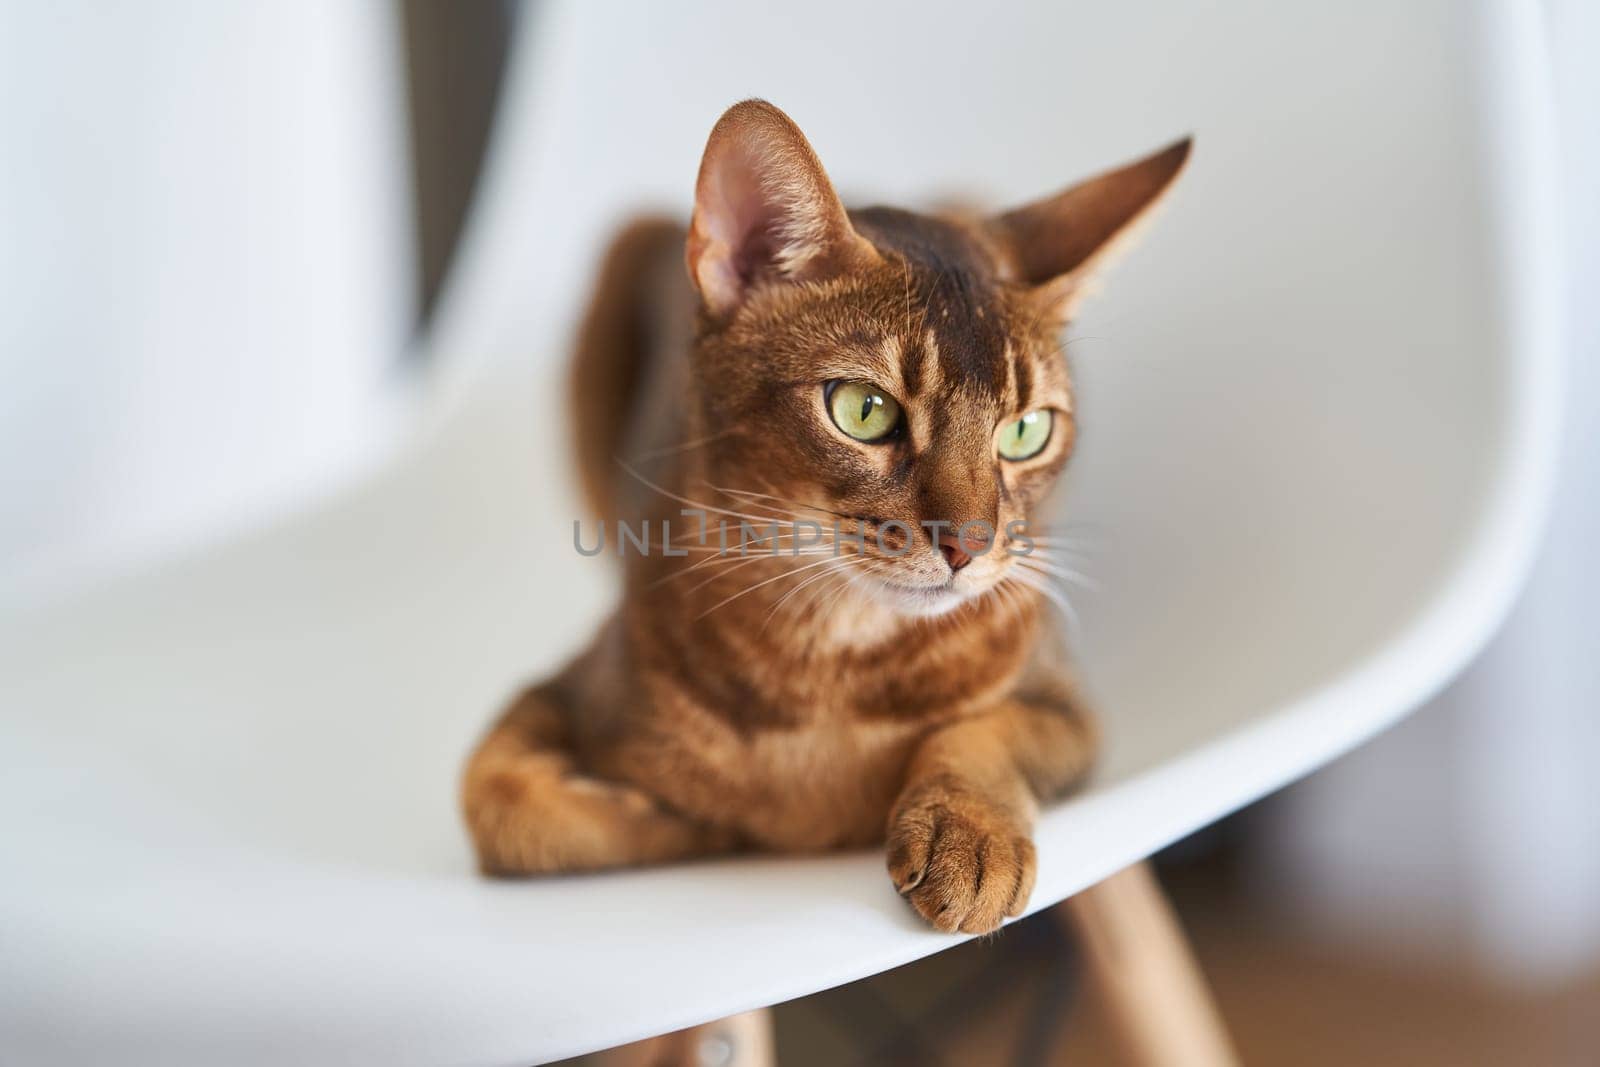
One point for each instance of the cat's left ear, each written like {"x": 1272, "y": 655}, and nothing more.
{"x": 1060, "y": 243}
{"x": 765, "y": 211}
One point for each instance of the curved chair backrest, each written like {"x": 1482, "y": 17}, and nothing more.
{"x": 1317, "y": 425}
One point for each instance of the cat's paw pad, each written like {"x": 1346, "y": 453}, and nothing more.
{"x": 963, "y": 864}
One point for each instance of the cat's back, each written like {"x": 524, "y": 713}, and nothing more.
{"x": 630, "y": 365}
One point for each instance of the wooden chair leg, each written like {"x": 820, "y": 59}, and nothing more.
{"x": 1139, "y": 963}
{"x": 1135, "y": 956}
{"x": 737, "y": 1041}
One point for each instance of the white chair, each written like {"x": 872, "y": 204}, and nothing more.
{"x": 1317, "y": 430}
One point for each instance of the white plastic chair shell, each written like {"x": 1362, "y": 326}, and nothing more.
{"x": 1317, "y": 427}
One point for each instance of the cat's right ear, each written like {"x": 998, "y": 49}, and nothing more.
{"x": 765, "y": 211}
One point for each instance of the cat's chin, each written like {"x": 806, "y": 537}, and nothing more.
{"x": 924, "y": 602}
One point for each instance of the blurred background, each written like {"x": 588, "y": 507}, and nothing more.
{"x": 227, "y": 241}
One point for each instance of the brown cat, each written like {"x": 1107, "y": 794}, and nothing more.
{"x": 889, "y": 387}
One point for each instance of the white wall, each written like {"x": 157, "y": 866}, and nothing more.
{"x": 206, "y": 266}
{"x": 1472, "y": 831}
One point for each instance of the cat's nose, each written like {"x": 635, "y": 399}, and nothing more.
{"x": 953, "y": 551}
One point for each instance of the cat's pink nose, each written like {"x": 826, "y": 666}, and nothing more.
{"x": 954, "y": 553}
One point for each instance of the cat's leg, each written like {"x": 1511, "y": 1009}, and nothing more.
{"x": 959, "y": 844}
{"x": 530, "y": 809}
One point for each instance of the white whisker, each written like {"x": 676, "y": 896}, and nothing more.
{"x": 768, "y": 581}
{"x": 670, "y": 450}
{"x": 1040, "y": 566}
{"x": 830, "y": 572}
{"x": 1040, "y": 585}
{"x": 701, "y": 505}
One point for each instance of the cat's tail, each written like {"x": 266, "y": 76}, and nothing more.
{"x": 641, "y": 306}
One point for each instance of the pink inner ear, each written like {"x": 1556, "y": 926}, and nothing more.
{"x": 764, "y": 209}
{"x": 739, "y": 221}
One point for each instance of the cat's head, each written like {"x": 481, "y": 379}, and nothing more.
{"x": 889, "y": 369}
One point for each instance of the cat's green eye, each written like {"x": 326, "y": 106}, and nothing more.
{"x": 862, "y": 410}
{"x": 1026, "y": 437}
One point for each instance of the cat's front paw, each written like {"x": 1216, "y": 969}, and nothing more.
{"x": 962, "y": 862}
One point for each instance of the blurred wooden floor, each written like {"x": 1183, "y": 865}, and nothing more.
{"x": 1014, "y": 1000}
{"x": 1285, "y": 1003}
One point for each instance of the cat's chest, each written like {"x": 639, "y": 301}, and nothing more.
{"x": 809, "y": 751}
{"x": 826, "y": 774}
{"x": 822, "y": 780}
{"x": 827, "y": 784}
{"x": 915, "y": 682}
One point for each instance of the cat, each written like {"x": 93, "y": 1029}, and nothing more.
{"x": 897, "y": 380}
